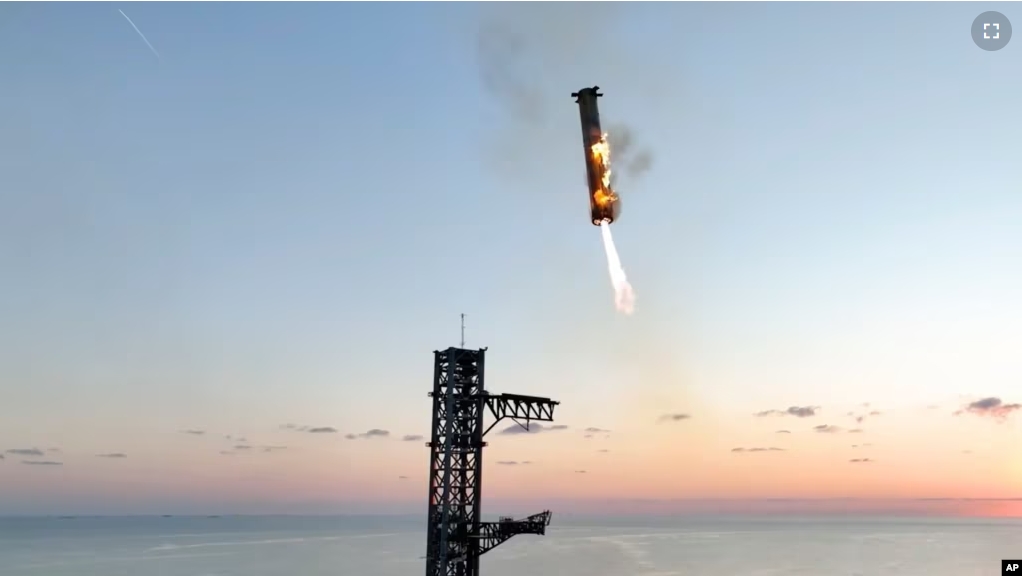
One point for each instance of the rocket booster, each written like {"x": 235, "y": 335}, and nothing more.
{"x": 604, "y": 204}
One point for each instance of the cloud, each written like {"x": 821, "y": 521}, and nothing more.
{"x": 112, "y": 455}
{"x": 859, "y": 418}
{"x": 783, "y": 432}
{"x": 826, "y": 429}
{"x": 771, "y": 449}
{"x": 580, "y": 472}
{"x": 272, "y": 448}
{"x": 25, "y": 452}
{"x": 242, "y": 447}
{"x": 991, "y": 407}
{"x": 2, "y": 457}
{"x": 860, "y": 460}
{"x": 297, "y": 428}
{"x": 603, "y": 450}
{"x": 507, "y": 462}
{"x": 866, "y": 445}
{"x": 534, "y": 428}
{"x": 855, "y": 431}
{"x": 235, "y": 438}
{"x": 402, "y": 477}
{"x": 194, "y": 432}
{"x": 371, "y": 433}
{"x": 797, "y": 411}
{"x": 526, "y": 462}
{"x": 676, "y": 417}
{"x": 411, "y": 438}
{"x": 592, "y": 431}
{"x": 42, "y": 463}
{"x": 227, "y": 453}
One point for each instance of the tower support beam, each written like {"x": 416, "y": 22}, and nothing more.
{"x": 456, "y": 535}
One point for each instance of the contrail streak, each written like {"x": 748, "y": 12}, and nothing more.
{"x": 624, "y": 296}
{"x": 139, "y": 32}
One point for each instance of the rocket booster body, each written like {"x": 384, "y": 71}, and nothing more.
{"x": 604, "y": 204}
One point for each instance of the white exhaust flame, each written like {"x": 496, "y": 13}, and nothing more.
{"x": 624, "y": 296}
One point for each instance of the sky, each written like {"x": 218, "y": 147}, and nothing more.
{"x": 265, "y": 225}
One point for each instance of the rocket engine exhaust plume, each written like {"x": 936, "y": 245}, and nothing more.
{"x": 624, "y": 296}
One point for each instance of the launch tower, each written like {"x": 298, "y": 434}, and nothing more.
{"x": 456, "y": 536}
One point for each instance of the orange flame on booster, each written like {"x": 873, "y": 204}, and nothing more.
{"x": 601, "y": 154}
{"x": 624, "y": 295}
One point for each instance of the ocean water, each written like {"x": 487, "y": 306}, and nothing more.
{"x": 393, "y": 546}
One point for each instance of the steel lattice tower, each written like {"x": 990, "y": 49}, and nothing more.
{"x": 456, "y": 536}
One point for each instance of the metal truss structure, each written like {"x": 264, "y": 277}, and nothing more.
{"x": 457, "y": 536}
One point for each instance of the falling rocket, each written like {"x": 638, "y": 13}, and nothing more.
{"x": 604, "y": 204}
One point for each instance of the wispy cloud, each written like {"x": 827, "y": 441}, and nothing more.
{"x": 272, "y": 448}
{"x": 534, "y": 428}
{"x": 860, "y": 460}
{"x": 855, "y": 431}
{"x": 242, "y": 447}
{"x": 580, "y": 472}
{"x": 402, "y": 477}
{"x": 592, "y": 431}
{"x": 783, "y": 432}
{"x": 309, "y": 429}
{"x": 796, "y": 411}
{"x": 861, "y": 417}
{"x": 25, "y": 452}
{"x": 112, "y": 455}
{"x": 603, "y": 450}
{"x": 321, "y": 430}
{"x": 194, "y": 432}
{"x": 675, "y": 417}
{"x": 411, "y": 438}
{"x": 372, "y": 433}
{"x": 507, "y": 462}
{"x": 826, "y": 429}
{"x": 991, "y": 407}
{"x": 771, "y": 449}
{"x": 41, "y": 463}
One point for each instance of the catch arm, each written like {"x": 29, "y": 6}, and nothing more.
{"x": 493, "y": 534}
{"x": 519, "y": 408}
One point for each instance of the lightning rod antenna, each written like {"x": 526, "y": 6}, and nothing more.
{"x": 463, "y": 331}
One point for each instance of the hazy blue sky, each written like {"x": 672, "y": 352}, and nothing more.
{"x": 278, "y": 219}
